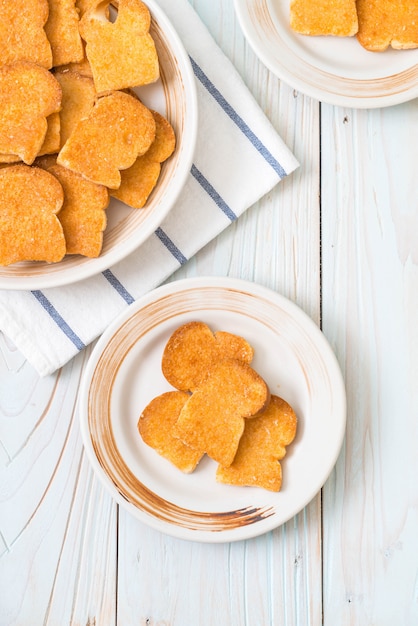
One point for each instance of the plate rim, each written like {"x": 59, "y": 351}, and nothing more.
{"x": 94, "y": 266}
{"x": 249, "y": 288}
{"x": 259, "y": 47}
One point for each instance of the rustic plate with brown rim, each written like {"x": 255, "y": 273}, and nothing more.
{"x": 174, "y": 96}
{"x": 124, "y": 374}
{"x": 336, "y": 70}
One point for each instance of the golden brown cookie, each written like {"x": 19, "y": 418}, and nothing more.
{"x": 81, "y": 67}
{"x": 29, "y": 94}
{"x": 83, "y": 215}
{"x": 83, "y": 6}
{"x": 193, "y": 349}
{"x": 122, "y": 53}
{"x": 9, "y": 158}
{"x": 51, "y": 143}
{"x": 155, "y": 427}
{"x": 212, "y": 420}
{"x": 52, "y": 140}
{"x": 30, "y": 230}
{"x": 117, "y": 130}
{"x": 78, "y": 98}
{"x": 325, "y": 17}
{"x": 383, "y": 23}
{"x": 22, "y": 33}
{"x": 62, "y": 32}
{"x": 262, "y": 446}
{"x": 138, "y": 181}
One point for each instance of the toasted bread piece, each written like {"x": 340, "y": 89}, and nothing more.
{"x": 383, "y": 23}
{"x": 325, "y": 17}
{"x": 9, "y": 158}
{"x": 52, "y": 140}
{"x": 107, "y": 44}
{"x": 262, "y": 446}
{"x": 62, "y": 32}
{"x": 232, "y": 346}
{"x": 192, "y": 350}
{"x": 30, "y": 199}
{"x": 83, "y": 215}
{"x": 212, "y": 420}
{"x": 83, "y": 6}
{"x": 28, "y": 95}
{"x": 78, "y": 98}
{"x": 81, "y": 67}
{"x": 117, "y": 130}
{"x": 155, "y": 427}
{"x": 22, "y": 33}
{"x": 138, "y": 181}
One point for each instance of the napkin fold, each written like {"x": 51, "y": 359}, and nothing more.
{"x": 239, "y": 158}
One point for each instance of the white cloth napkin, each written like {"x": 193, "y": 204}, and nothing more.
{"x": 239, "y": 158}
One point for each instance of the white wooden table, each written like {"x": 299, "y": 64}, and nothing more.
{"x": 340, "y": 238}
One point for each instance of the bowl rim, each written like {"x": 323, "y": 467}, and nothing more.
{"x": 20, "y": 276}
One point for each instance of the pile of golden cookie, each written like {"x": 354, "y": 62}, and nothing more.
{"x": 377, "y": 24}
{"x": 220, "y": 406}
{"x": 73, "y": 132}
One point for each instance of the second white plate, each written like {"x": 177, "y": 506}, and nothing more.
{"x": 337, "y": 70}
{"x": 124, "y": 374}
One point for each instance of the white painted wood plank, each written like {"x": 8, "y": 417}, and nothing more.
{"x": 58, "y": 528}
{"x": 370, "y": 286}
{"x": 275, "y": 579}
{"x": 62, "y": 569}
{"x": 269, "y": 580}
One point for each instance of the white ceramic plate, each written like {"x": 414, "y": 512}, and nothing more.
{"x": 337, "y": 70}
{"x": 174, "y": 96}
{"x": 124, "y": 374}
